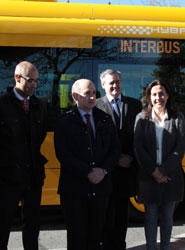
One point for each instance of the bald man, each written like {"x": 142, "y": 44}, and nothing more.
{"x": 87, "y": 149}
{"x": 22, "y": 131}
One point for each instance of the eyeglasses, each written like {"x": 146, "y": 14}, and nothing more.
{"x": 29, "y": 80}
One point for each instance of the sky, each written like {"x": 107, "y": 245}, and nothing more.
{"x": 175, "y": 3}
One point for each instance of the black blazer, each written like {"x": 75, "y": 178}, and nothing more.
{"x": 78, "y": 154}
{"x": 21, "y": 137}
{"x": 173, "y": 148}
{"x": 124, "y": 179}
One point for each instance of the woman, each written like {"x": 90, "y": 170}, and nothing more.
{"x": 159, "y": 146}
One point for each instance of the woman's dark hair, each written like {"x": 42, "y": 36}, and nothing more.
{"x": 148, "y": 95}
{"x": 155, "y": 83}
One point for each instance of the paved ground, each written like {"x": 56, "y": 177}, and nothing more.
{"x": 53, "y": 233}
{"x": 56, "y": 239}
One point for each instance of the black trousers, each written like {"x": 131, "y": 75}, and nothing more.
{"x": 30, "y": 200}
{"x": 116, "y": 223}
{"x": 84, "y": 222}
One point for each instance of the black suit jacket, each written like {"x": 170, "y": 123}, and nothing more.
{"x": 78, "y": 154}
{"x": 124, "y": 179}
{"x": 21, "y": 163}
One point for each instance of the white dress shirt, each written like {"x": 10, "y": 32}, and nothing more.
{"x": 159, "y": 127}
{"x": 113, "y": 104}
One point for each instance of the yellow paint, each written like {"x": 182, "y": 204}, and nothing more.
{"x": 49, "y": 193}
{"x": 91, "y": 11}
{"x": 34, "y": 0}
{"x": 138, "y": 206}
{"x": 49, "y": 23}
{"x": 45, "y": 9}
{"x": 48, "y": 151}
{"x": 77, "y": 27}
{"x": 52, "y": 170}
{"x": 53, "y": 41}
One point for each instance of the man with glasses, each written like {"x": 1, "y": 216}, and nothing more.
{"x": 22, "y": 131}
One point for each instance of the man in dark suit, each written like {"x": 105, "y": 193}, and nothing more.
{"x": 88, "y": 150}
{"x": 123, "y": 111}
{"x": 22, "y": 131}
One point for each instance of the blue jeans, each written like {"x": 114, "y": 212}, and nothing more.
{"x": 153, "y": 212}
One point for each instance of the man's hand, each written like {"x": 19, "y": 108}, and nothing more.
{"x": 164, "y": 179}
{"x": 96, "y": 175}
{"x": 159, "y": 177}
{"x": 157, "y": 174}
{"x": 125, "y": 161}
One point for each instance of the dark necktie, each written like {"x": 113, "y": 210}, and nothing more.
{"x": 89, "y": 125}
{"x": 25, "y": 104}
{"x": 116, "y": 112}
{"x": 116, "y": 101}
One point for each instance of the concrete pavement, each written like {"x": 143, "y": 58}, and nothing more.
{"x": 55, "y": 239}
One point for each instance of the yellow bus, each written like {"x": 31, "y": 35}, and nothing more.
{"x": 70, "y": 41}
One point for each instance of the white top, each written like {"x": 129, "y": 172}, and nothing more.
{"x": 159, "y": 127}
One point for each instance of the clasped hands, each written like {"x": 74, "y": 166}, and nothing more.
{"x": 159, "y": 177}
{"x": 125, "y": 161}
{"x": 96, "y": 175}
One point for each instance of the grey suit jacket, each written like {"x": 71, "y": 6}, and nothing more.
{"x": 124, "y": 180}
{"x": 130, "y": 108}
{"x": 103, "y": 104}
{"x": 173, "y": 147}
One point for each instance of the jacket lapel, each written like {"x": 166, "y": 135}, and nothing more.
{"x": 108, "y": 109}
{"x": 78, "y": 117}
{"x": 124, "y": 111}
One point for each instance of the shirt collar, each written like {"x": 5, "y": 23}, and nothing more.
{"x": 110, "y": 98}
{"x": 82, "y": 112}
{"x": 19, "y": 96}
{"x": 154, "y": 117}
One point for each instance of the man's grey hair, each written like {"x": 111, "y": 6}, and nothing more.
{"x": 111, "y": 72}
{"x": 75, "y": 89}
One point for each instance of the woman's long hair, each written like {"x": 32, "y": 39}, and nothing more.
{"x": 148, "y": 96}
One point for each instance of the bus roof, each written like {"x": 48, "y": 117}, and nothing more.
{"x": 54, "y": 24}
